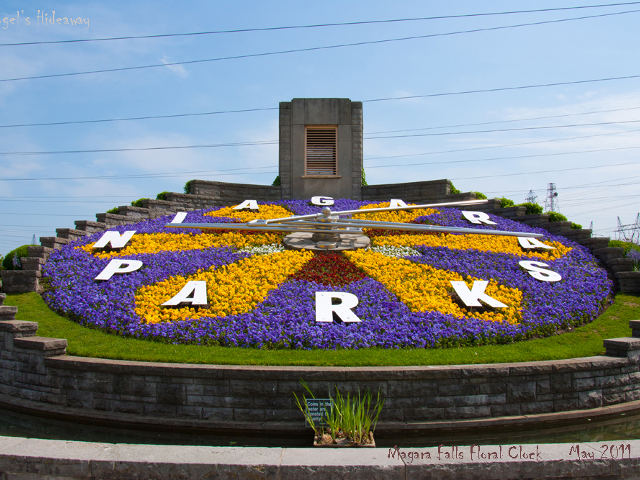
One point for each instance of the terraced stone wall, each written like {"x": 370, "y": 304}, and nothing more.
{"x": 37, "y": 375}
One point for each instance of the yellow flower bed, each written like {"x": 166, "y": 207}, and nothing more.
{"x": 393, "y": 216}
{"x": 265, "y": 212}
{"x": 170, "y": 242}
{"x": 231, "y": 289}
{"x": 424, "y": 288}
{"x": 484, "y": 243}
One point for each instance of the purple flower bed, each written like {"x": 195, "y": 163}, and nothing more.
{"x": 286, "y": 318}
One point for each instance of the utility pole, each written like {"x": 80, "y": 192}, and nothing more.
{"x": 629, "y": 232}
{"x": 531, "y": 197}
{"x": 551, "y": 202}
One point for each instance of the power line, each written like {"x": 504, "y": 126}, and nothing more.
{"x": 503, "y": 89}
{"x": 251, "y": 172}
{"x": 311, "y": 49}
{"x": 547, "y": 171}
{"x": 437, "y": 152}
{"x": 513, "y": 120}
{"x": 43, "y": 214}
{"x": 143, "y": 117}
{"x": 142, "y": 149}
{"x": 517, "y": 129}
{"x": 315, "y": 25}
{"x": 508, "y": 157}
{"x": 593, "y": 185}
{"x": 130, "y": 176}
{"x": 258, "y": 109}
{"x": 274, "y": 142}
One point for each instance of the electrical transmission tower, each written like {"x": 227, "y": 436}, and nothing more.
{"x": 531, "y": 197}
{"x": 551, "y": 202}
{"x": 629, "y": 232}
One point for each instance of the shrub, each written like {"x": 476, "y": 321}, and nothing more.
{"x": 139, "y": 202}
{"x": 626, "y": 246}
{"x": 163, "y": 195}
{"x": 480, "y": 195}
{"x": 12, "y": 260}
{"x": 452, "y": 189}
{"x": 531, "y": 208}
{"x": 557, "y": 217}
{"x": 276, "y": 181}
{"x": 576, "y": 226}
{"x": 506, "y": 202}
{"x": 113, "y": 210}
{"x": 635, "y": 256}
{"x": 187, "y": 187}
{"x": 364, "y": 178}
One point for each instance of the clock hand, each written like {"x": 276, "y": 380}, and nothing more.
{"x": 338, "y": 226}
{"x": 371, "y": 210}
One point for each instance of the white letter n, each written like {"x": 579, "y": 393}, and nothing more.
{"x": 115, "y": 239}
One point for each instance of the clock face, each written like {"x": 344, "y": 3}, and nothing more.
{"x": 408, "y": 289}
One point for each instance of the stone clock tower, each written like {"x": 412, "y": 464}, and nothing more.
{"x": 321, "y": 148}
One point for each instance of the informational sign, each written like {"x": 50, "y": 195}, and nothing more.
{"x": 318, "y": 409}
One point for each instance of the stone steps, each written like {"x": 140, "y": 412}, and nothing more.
{"x": 89, "y": 226}
{"x": 53, "y": 242}
{"x": 111, "y": 219}
{"x": 70, "y": 233}
{"x": 8, "y": 312}
{"x": 629, "y": 282}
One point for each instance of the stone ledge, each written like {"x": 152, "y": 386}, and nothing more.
{"x": 629, "y": 282}
{"x": 57, "y": 459}
{"x": 53, "y": 242}
{"x": 89, "y": 226}
{"x": 635, "y": 328}
{"x": 621, "y": 347}
{"x": 51, "y": 346}
{"x": 7, "y": 312}
{"x": 19, "y": 326}
{"x": 19, "y": 281}
{"x": 334, "y": 374}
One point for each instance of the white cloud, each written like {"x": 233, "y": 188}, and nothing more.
{"x": 179, "y": 70}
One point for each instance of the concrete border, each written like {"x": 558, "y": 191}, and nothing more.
{"x": 22, "y": 458}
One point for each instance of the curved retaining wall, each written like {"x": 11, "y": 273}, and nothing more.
{"x": 35, "y": 374}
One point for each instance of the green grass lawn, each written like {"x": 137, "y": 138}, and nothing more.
{"x": 581, "y": 342}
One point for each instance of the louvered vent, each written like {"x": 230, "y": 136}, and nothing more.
{"x": 321, "y": 151}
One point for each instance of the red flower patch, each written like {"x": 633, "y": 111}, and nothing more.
{"x": 330, "y": 269}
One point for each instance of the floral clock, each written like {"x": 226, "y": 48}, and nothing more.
{"x": 408, "y": 289}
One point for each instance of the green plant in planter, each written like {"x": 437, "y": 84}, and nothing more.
{"x": 351, "y": 419}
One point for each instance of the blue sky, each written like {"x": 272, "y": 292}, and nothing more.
{"x": 586, "y": 142}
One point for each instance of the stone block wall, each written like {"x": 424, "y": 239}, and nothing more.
{"x": 35, "y": 374}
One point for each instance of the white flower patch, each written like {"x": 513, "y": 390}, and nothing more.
{"x": 390, "y": 251}
{"x": 263, "y": 249}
